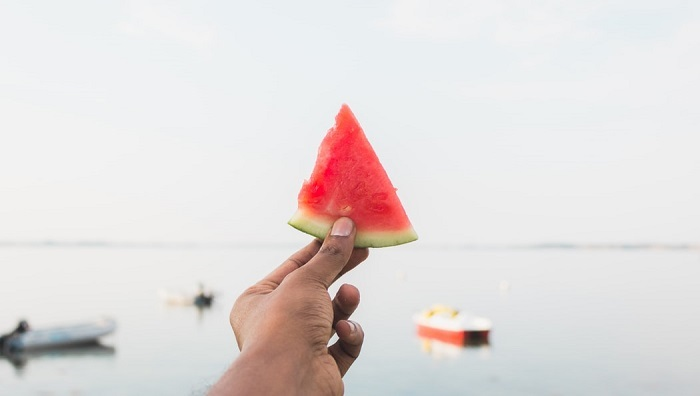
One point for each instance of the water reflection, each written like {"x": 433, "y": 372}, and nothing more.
{"x": 21, "y": 359}
{"x": 442, "y": 350}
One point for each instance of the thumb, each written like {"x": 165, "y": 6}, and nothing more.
{"x": 334, "y": 253}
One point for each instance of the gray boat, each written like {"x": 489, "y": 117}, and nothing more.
{"x": 25, "y": 338}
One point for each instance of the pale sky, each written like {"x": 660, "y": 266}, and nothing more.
{"x": 499, "y": 121}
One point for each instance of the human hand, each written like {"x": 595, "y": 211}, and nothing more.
{"x": 283, "y": 323}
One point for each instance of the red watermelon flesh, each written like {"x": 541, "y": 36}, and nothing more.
{"x": 349, "y": 181}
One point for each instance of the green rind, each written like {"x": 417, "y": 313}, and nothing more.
{"x": 319, "y": 227}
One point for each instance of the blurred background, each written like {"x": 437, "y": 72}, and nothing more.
{"x": 546, "y": 153}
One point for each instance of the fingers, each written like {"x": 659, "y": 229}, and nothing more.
{"x": 293, "y": 263}
{"x": 345, "y": 302}
{"x": 333, "y": 255}
{"x": 334, "y": 250}
{"x": 346, "y": 350}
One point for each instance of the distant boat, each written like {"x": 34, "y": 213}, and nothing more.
{"x": 199, "y": 299}
{"x": 447, "y": 324}
{"x": 25, "y": 338}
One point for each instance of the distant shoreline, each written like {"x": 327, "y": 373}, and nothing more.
{"x": 256, "y": 245}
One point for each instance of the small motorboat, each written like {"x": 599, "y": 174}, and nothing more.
{"x": 200, "y": 299}
{"x": 447, "y": 324}
{"x": 25, "y": 338}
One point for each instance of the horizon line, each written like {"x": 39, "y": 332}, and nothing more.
{"x": 49, "y": 243}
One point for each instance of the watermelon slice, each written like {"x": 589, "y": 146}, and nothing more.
{"x": 348, "y": 180}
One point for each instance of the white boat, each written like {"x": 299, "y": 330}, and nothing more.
{"x": 58, "y": 336}
{"x": 447, "y": 324}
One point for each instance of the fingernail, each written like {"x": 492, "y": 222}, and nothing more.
{"x": 353, "y": 326}
{"x": 342, "y": 227}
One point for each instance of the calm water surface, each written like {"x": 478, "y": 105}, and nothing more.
{"x": 572, "y": 322}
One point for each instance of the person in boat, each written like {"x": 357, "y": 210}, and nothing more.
{"x": 283, "y": 323}
{"x": 5, "y": 340}
{"x": 203, "y": 299}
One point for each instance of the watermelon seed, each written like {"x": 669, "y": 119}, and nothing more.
{"x": 360, "y": 188}
{"x": 378, "y": 207}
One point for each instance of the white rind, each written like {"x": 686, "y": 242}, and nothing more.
{"x": 319, "y": 227}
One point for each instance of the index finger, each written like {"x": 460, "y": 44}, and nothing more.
{"x": 333, "y": 255}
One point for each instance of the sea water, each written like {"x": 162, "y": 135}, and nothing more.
{"x": 566, "y": 321}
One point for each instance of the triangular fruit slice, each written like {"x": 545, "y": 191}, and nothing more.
{"x": 348, "y": 180}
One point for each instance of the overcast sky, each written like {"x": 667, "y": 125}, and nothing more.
{"x": 499, "y": 121}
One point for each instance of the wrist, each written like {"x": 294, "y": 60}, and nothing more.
{"x": 267, "y": 370}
